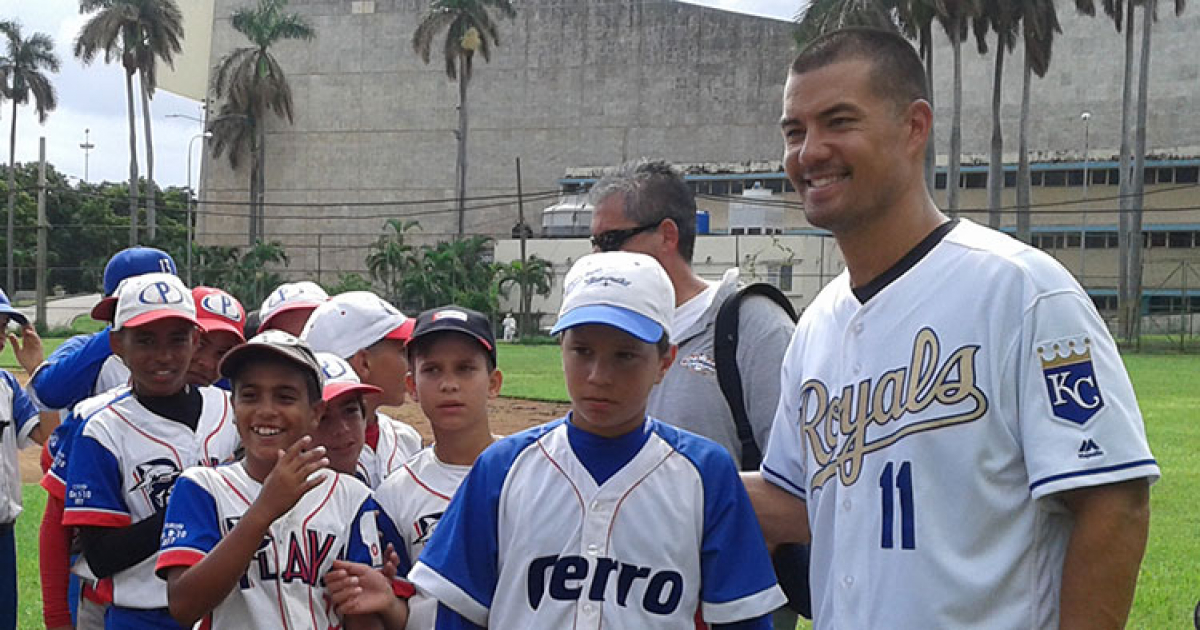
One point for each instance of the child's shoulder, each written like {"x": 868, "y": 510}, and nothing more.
{"x": 705, "y": 454}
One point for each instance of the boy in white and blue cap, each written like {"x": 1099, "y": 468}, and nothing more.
{"x": 606, "y": 517}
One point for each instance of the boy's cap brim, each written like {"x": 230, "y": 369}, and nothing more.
{"x": 282, "y": 345}
{"x": 13, "y": 314}
{"x": 341, "y": 388}
{"x": 104, "y": 310}
{"x": 154, "y": 316}
{"x": 403, "y": 332}
{"x": 211, "y": 325}
{"x": 636, "y": 324}
{"x": 288, "y": 308}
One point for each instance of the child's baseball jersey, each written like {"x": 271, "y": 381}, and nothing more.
{"x": 531, "y": 541}
{"x": 394, "y": 443}
{"x": 414, "y": 498}
{"x": 123, "y": 465}
{"x": 60, "y": 442}
{"x": 283, "y": 586}
{"x": 18, "y": 417}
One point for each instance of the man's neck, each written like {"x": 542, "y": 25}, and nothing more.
{"x": 687, "y": 284}
{"x": 460, "y": 448}
{"x": 874, "y": 248}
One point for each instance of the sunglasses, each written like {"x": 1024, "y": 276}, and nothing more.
{"x": 612, "y": 240}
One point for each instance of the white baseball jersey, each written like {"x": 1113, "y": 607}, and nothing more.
{"x": 414, "y": 498}
{"x": 18, "y": 417}
{"x": 284, "y": 585}
{"x": 930, "y": 428}
{"x": 397, "y": 442}
{"x": 532, "y": 541}
{"x": 123, "y": 465}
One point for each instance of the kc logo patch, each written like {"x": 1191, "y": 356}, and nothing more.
{"x": 1071, "y": 383}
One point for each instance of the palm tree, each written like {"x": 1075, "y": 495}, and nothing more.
{"x": 535, "y": 275}
{"x": 252, "y": 82}
{"x": 916, "y": 19}
{"x": 23, "y": 69}
{"x": 1003, "y": 18}
{"x": 469, "y": 28}
{"x": 824, "y": 16}
{"x": 390, "y": 257}
{"x": 955, "y": 16}
{"x": 1039, "y": 24}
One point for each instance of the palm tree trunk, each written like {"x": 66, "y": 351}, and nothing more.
{"x": 10, "y": 282}
{"x": 930, "y": 144}
{"x": 251, "y": 221}
{"x": 995, "y": 181}
{"x": 461, "y": 162}
{"x": 151, "y": 213}
{"x": 133, "y": 167}
{"x": 1128, "y": 306}
{"x": 1024, "y": 183}
{"x": 955, "y": 126}
{"x": 260, "y": 201}
{"x": 1139, "y": 164}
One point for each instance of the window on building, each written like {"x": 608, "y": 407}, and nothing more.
{"x": 1096, "y": 240}
{"x": 974, "y": 180}
{"x": 939, "y": 181}
{"x": 1105, "y": 303}
{"x": 1157, "y": 239}
{"x": 1072, "y": 240}
{"x": 1036, "y": 178}
{"x": 1098, "y": 177}
{"x": 780, "y": 276}
{"x": 1187, "y": 174}
{"x": 1054, "y": 178}
{"x": 1075, "y": 178}
{"x": 719, "y": 188}
{"x": 1010, "y": 179}
{"x": 1179, "y": 239}
{"x": 774, "y": 185}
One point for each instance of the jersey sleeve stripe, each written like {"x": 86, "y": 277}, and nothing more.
{"x": 749, "y": 607}
{"x": 177, "y": 557}
{"x": 1096, "y": 471}
{"x": 95, "y": 517}
{"x": 54, "y": 485}
{"x": 434, "y": 585}
{"x": 783, "y": 482}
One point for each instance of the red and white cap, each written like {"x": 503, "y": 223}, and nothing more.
{"x": 151, "y": 297}
{"x": 354, "y": 320}
{"x": 289, "y": 297}
{"x": 217, "y": 310}
{"x": 340, "y": 378}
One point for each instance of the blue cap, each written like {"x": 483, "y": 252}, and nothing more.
{"x": 6, "y": 308}
{"x": 135, "y": 261}
{"x": 636, "y": 324}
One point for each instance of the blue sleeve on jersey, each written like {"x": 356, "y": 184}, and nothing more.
{"x": 23, "y": 411}
{"x": 360, "y": 550}
{"x": 734, "y": 563}
{"x": 389, "y": 533}
{"x": 191, "y": 528}
{"x": 61, "y": 441}
{"x": 447, "y": 619}
{"x": 94, "y": 491}
{"x": 464, "y": 548}
{"x": 69, "y": 373}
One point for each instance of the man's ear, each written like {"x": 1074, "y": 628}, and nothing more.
{"x": 919, "y": 119}
{"x": 669, "y": 231}
{"x": 116, "y": 342}
{"x": 495, "y": 380}
{"x": 361, "y": 363}
{"x": 665, "y": 362}
{"x": 410, "y": 383}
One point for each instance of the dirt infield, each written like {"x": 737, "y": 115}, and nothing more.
{"x": 508, "y": 415}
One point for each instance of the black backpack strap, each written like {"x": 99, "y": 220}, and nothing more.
{"x": 725, "y": 343}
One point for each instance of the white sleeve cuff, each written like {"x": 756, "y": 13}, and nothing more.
{"x": 432, "y": 584}
{"x": 761, "y": 603}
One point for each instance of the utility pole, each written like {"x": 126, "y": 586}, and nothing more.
{"x": 524, "y": 268}
{"x": 87, "y": 147}
{"x": 41, "y": 234}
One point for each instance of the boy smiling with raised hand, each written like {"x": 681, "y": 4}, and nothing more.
{"x": 605, "y": 518}
{"x": 248, "y": 545}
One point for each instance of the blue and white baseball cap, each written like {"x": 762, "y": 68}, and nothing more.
{"x": 290, "y": 296}
{"x": 125, "y": 264}
{"x": 351, "y": 321}
{"x": 151, "y": 297}
{"x": 340, "y": 378}
{"x": 6, "y": 308}
{"x": 625, "y": 290}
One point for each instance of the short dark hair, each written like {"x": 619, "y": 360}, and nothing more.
{"x": 664, "y": 345}
{"x": 311, "y": 386}
{"x": 896, "y": 69}
{"x": 419, "y": 347}
{"x": 653, "y": 191}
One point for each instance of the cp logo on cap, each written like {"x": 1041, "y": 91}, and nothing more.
{"x": 222, "y": 305}
{"x": 333, "y": 369}
{"x": 160, "y": 293}
{"x": 459, "y": 315}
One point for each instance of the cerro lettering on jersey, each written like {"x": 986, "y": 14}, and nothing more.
{"x": 568, "y": 578}
{"x": 302, "y": 559}
{"x": 835, "y": 427}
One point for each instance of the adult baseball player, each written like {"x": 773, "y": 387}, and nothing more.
{"x": 127, "y": 456}
{"x": 560, "y": 527}
{"x": 955, "y": 419}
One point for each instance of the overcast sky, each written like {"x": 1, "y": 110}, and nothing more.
{"x": 93, "y": 98}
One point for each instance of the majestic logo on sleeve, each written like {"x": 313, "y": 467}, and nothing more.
{"x": 1071, "y": 379}
{"x": 838, "y": 426}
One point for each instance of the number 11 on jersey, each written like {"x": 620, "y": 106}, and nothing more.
{"x": 892, "y": 483}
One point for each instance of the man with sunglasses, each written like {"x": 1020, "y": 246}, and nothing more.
{"x": 646, "y": 207}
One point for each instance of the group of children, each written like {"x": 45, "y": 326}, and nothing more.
{"x": 250, "y": 480}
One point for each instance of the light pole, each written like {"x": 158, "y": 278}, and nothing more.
{"x": 1086, "y": 117}
{"x": 87, "y": 147}
{"x": 191, "y": 143}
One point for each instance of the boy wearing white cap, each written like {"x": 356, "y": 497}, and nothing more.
{"x": 130, "y": 451}
{"x": 607, "y": 517}
{"x": 370, "y": 335}
{"x": 288, "y": 307}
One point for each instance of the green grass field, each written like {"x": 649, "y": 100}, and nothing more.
{"x": 1169, "y": 585}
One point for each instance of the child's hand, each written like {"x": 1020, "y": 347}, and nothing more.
{"x": 391, "y": 562}
{"x": 27, "y": 348}
{"x": 291, "y": 478}
{"x": 357, "y": 589}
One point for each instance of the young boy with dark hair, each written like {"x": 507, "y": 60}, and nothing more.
{"x": 453, "y": 375}
{"x": 607, "y": 517}
{"x": 248, "y": 545}
{"x": 137, "y": 440}
{"x": 343, "y": 425}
